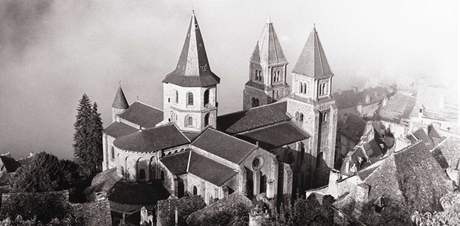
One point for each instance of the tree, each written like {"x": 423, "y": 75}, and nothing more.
{"x": 88, "y": 136}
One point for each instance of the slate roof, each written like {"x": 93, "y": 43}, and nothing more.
{"x": 268, "y": 49}
{"x": 210, "y": 170}
{"x": 276, "y": 135}
{"x": 152, "y": 139}
{"x": 177, "y": 163}
{"x": 223, "y": 145}
{"x": 142, "y": 114}
{"x": 253, "y": 118}
{"x": 193, "y": 68}
{"x": 352, "y": 127}
{"x": 312, "y": 61}
{"x": 120, "y": 101}
{"x": 118, "y": 129}
{"x": 351, "y": 98}
{"x": 397, "y": 108}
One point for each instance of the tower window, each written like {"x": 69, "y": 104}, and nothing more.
{"x": 177, "y": 97}
{"x": 112, "y": 153}
{"x": 195, "y": 190}
{"x": 206, "y": 97}
{"x": 188, "y": 121}
{"x": 189, "y": 98}
{"x": 206, "y": 119}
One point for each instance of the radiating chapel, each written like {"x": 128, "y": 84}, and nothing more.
{"x": 281, "y": 143}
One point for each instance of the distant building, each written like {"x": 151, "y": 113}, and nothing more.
{"x": 282, "y": 147}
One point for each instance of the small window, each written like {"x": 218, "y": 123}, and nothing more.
{"x": 177, "y": 97}
{"x": 188, "y": 121}
{"x": 112, "y": 153}
{"x": 189, "y": 98}
{"x": 206, "y": 97}
{"x": 195, "y": 190}
{"x": 206, "y": 119}
{"x": 300, "y": 117}
{"x": 141, "y": 174}
{"x": 254, "y": 102}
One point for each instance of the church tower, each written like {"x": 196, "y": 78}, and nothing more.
{"x": 190, "y": 91}
{"x": 120, "y": 104}
{"x": 310, "y": 102}
{"x": 267, "y": 71}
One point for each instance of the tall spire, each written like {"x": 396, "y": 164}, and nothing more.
{"x": 268, "y": 49}
{"x": 312, "y": 61}
{"x": 120, "y": 101}
{"x": 193, "y": 67}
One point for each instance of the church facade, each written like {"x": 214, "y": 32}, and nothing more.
{"x": 280, "y": 144}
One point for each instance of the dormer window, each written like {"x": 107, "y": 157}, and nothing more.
{"x": 189, "y": 98}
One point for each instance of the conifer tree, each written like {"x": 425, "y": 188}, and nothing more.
{"x": 88, "y": 136}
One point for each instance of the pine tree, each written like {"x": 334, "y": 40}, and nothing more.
{"x": 96, "y": 144}
{"x": 83, "y": 137}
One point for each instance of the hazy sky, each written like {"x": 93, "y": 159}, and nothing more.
{"x": 53, "y": 51}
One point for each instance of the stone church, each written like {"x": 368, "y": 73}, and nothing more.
{"x": 282, "y": 143}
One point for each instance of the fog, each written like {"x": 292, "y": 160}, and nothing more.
{"x": 51, "y": 52}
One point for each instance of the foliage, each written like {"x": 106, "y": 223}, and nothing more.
{"x": 46, "y": 173}
{"x": 88, "y": 136}
{"x": 185, "y": 206}
{"x": 450, "y": 215}
{"x": 43, "y": 207}
{"x": 236, "y": 216}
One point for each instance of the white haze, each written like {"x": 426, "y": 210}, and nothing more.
{"x": 53, "y": 51}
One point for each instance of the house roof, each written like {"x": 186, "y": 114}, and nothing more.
{"x": 142, "y": 114}
{"x": 275, "y": 136}
{"x": 253, "y": 118}
{"x": 177, "y": 163}
{"x": 268, "y": 49}
{"x": 152, "y": 139}
{"x": 312, "y": 61}
{"x": 398, "y": 107}
{"x": 209, "y": 169}
{"x": 420, "y": 134}
{"x": 193, "y": 68}
{"x": 120, "y": 101}
{"x": 223, "y": 145}
{"x": 352, "y": 98}
{"x": 118, "y": 129}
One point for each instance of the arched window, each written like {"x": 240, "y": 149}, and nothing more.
{"x": 254, "y": 102}
{"x": 112, "y": 153}
{"x": 301, "y": 117}
{"x": 188, "y": 121}
{"x": 189, "y": 98}
{"x": 177, "y": 97}
{"x": 195, "y": 190}
{"x": 206, "y": 97}
{"x": 206, "y": 119}
{"x": 141, "y": 174}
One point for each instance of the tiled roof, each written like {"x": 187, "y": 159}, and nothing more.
{"x": 352, "y": 127}
{"x": 312, "y": 61}
{"x": 177, "y": 163}
{"x": 253, "y": 118}
{"x": 224, "y": 145}
{"x": 209, "y": 170}
{"x": 120, "y": 101}
{"x": 152, "y": 139}
{"x": 268, "y": 49}
{"x": 398, "y": 107}
{"x": 193, "y": 68}
{"x": 351, "y": 98}
{"x": 118, "y": 129}
{"x": 276, "y": 135}
{"x": 142, "y": 114}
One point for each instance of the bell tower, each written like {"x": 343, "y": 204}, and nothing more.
{"x": 190, "y": 91}
{"x": 267, "y": 71}
{"x": 311, "y": 103}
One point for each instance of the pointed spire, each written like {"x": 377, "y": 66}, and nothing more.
{"x": 268, "y": 49}
{"x": 312, "y": 61}
{"x": 193, "y": 66}
{"x": 120, "y": 101}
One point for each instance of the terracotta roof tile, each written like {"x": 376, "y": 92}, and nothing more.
{"x": 142, "y": 114}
